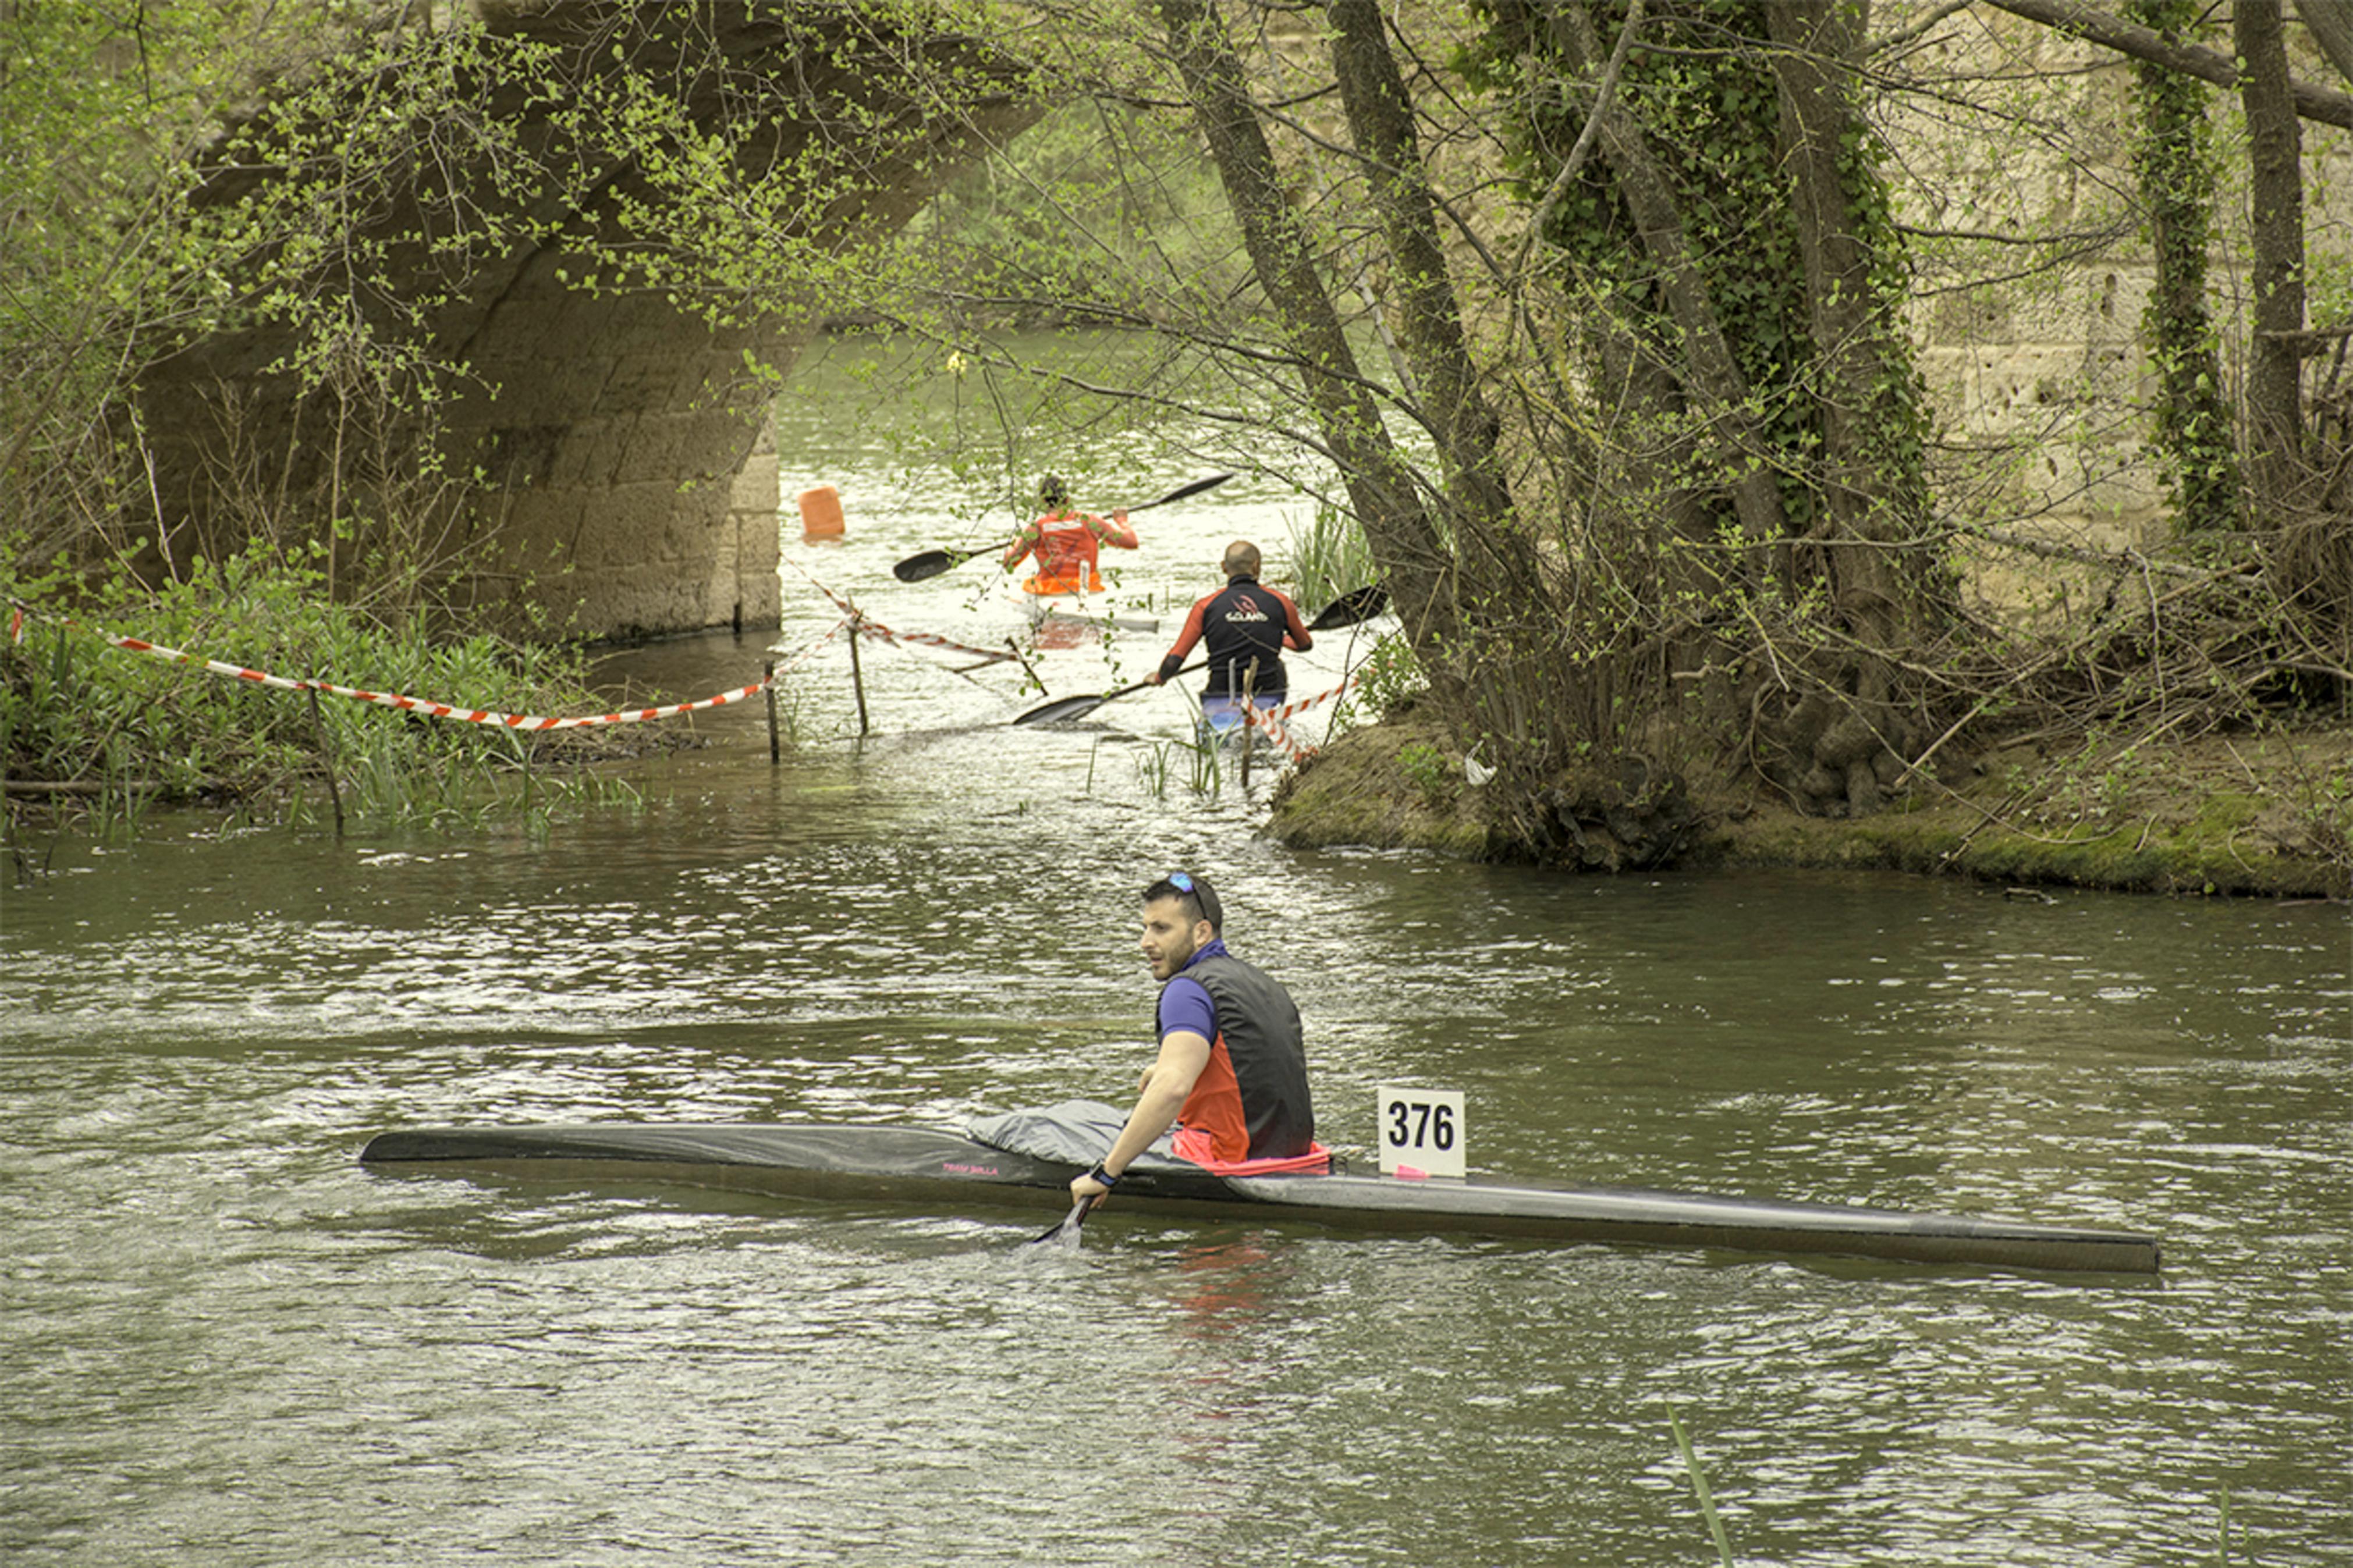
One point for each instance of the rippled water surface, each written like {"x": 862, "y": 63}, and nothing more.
{"x": 228, "y": 1343}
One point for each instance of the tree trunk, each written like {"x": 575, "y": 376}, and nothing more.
{"x": 1513, "y": 683}
{"x": 1871, "y": 481}
{"x": 1380, "y": 484}
{"x": 2330, "y": 23}
{"x": 2177, "y": 187}
{"x": 1712, "y": 379}
{"x": 2275, "y": 434}
{"x": 1454, "y": 409}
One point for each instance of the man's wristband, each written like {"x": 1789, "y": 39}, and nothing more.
{"x": 1099, "y": 1175}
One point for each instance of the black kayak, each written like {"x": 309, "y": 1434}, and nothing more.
{"x": 941, "y": 1169}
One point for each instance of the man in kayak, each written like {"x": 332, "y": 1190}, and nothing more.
{"x": 1246, "y": 627}
{"x": 1232, "y": 1068}
{"x": 1067, "y": 542}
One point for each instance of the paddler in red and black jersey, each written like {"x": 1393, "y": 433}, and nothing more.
{"x": 1245, "y": 626}
{"x": 1067, "y": 542}
{"x": 1232, "y": 1068}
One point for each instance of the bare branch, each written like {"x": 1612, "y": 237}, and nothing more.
{"x": 1605, "y": 95}
{"x": 2328, "y": 107}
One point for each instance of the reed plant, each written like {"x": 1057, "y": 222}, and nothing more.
{"x": 1699, "y": 1486}
{"x": 1152, "y": 768}
{"x": 1203, "y": 772}
{"x": 797, "y": 718}
{"x": 1205, "y": 767}
{"x": 1329, "y": 556}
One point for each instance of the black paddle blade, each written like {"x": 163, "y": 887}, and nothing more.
{"x": 1062, "y": 709}
{"x": 1181, "y": 491}
{"x": 1066, "y": 1234}
{"x": 1356, "y": 604}
{"x": 930, "y": 563}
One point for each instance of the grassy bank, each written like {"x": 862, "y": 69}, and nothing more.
{"x": 2268, "y": 815}
{"x": 94, "y": 732}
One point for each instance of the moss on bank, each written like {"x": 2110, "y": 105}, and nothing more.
{"x": 2268, "y": 815}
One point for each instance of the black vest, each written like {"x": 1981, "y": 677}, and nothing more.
{"x": 1259, "y": 1024}
{"x": 1239, "y": 623}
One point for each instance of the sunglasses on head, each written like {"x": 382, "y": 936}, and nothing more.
{"x": 1181, "y": 881}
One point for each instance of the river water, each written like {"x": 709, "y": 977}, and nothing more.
{"x": 226, "y": 1342}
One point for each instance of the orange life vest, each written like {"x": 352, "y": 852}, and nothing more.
{"x": 1067, "y": 552}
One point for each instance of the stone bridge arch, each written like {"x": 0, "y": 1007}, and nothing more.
{"x": 620, "y": 436}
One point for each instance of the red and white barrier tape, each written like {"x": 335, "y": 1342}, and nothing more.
{"x": 880, "y": 633}
{"x": 393, "y": 700}
{"x": 1269, "y": 721}
{"x": 1263, "y": 721}
{"x": 808, "y": 651}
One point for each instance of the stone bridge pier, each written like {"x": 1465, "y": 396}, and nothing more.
{"x": 627, "y": 482}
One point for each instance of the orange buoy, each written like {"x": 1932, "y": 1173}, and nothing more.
{"x": 821, "y": 512}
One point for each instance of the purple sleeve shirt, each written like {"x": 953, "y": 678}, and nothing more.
{"x": 1185, "y": 1002}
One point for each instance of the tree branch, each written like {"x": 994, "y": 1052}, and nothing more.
{"x": 1604, "y": 96}
{"x": 2330, "y": 23}
{"x": 2328, "y": 107}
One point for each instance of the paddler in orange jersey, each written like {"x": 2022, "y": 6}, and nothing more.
{"x": 1066, "y": 541}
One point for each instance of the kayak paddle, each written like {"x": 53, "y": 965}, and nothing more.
{"x": 1065, "y": 1235}
{"x": 1356, "y": 604}
{"x": 931, "y": 563}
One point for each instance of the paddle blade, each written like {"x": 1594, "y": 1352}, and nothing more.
{"x": 1061, "y": 711}
{"x": 1356, "y": 604}
{"x": 930, "y": 563}
{"x": 1066, "y": 1234}
{"x": 1181, "y": 491}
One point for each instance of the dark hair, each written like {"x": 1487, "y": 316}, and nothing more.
{"x": 1193, "y": 892}
{"x": 1053, "y": 490}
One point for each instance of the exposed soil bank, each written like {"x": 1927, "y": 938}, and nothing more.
{"x": 2267, "y": 814}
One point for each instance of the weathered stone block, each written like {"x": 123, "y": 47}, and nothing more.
{"x": 590, "y": 455}
{"x": 631, "y": 523}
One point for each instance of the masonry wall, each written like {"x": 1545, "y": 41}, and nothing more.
{"x": 624, "y": 441}
{"x": 2042, "y": 383}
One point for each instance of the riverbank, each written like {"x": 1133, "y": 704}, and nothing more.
{"x": 2263, "y": 816}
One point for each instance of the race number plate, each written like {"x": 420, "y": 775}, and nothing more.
{"x": 1421, "y": 1132}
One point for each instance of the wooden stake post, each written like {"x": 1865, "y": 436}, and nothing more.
{"x": 856, "y": 670}
{"x": 326, "y": 755}
{"x": 768, "y": 690}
